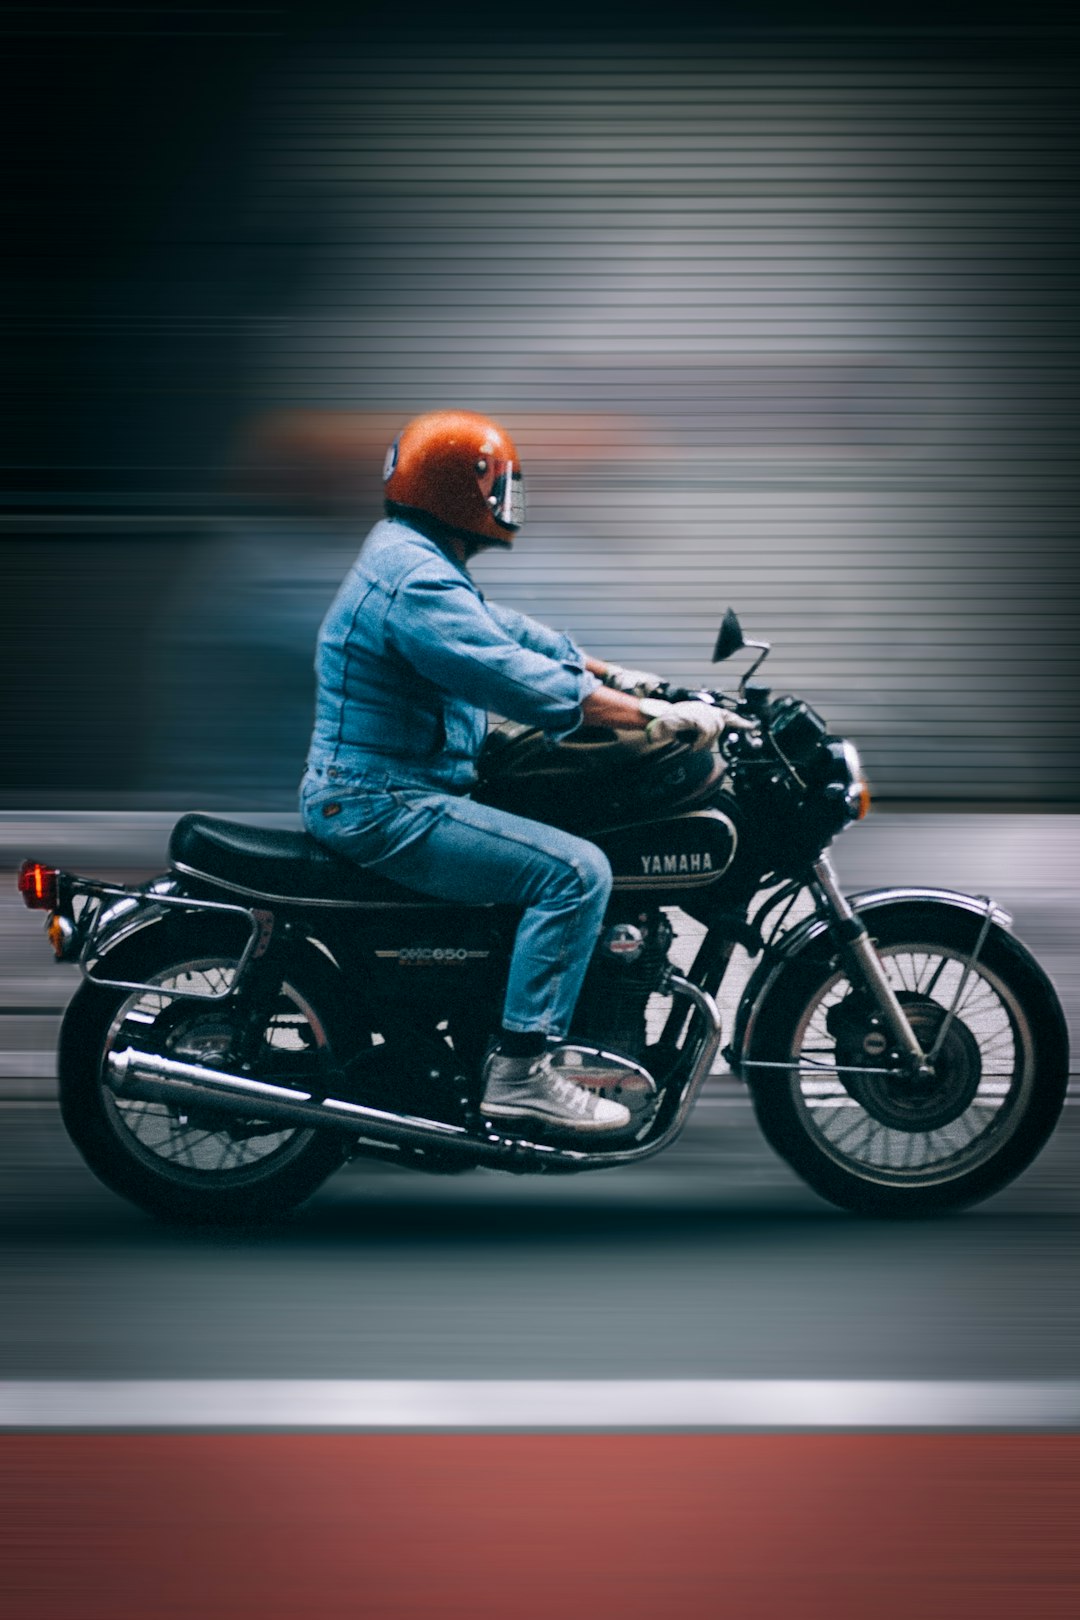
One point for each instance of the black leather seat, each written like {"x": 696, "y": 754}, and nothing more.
{"x": 277, "y": 865}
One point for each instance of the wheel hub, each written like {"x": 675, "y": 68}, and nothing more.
{"x": 898, "y": 1099}
{"x": 205, "y": 1035}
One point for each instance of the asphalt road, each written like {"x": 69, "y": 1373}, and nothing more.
{"x": 709, "y": 1262}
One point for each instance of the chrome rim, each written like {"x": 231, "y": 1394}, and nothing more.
{"x": 183, "y": 1145}
{"x": 872, "y": 1127}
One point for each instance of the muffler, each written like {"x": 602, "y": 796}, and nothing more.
{"x": 150, "y": 1077}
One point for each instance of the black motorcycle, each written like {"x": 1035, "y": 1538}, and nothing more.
{"x": 266, "y": 1010}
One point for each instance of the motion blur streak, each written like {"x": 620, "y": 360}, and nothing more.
{"x": 586, "y": 1527}
{"x": 780, "y": 315}
{"x": 783, "y": 315}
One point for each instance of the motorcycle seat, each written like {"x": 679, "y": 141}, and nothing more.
{"x": 272, "y": 865}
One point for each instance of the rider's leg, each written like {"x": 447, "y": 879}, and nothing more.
{"x": 461, "y": 851}
{"x": 468, "y": 853}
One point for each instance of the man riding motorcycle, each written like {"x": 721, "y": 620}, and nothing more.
{"x": 410, "y": 659}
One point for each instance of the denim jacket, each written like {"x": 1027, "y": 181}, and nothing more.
{"x": 411, "y": 657}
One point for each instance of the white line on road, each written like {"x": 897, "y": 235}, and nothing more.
{"x": 545, "y": 1404}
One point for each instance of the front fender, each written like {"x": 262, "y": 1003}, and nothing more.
{"x": 812, "y": 936}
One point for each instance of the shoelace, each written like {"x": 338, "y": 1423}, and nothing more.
{"x": 576, "y": 1097}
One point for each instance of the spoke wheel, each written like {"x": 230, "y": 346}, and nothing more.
{"x": 210, "y": 1149}
{"x": 866, "y": 1134}
{"x": 904, "y": 1131}
{"x": 206, "y": 1166}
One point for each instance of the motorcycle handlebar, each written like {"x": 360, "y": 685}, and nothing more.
{"x": 735, "y": 744}
{"x": 683, "y": 694}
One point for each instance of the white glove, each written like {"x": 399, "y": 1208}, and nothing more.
{"x": 636, "y": 682}
{"x": 698, "y": 723}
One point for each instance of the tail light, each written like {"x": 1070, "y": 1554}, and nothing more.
{"x": 39, "y": 886}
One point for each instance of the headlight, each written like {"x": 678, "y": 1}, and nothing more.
{"x": 857, "y": 789}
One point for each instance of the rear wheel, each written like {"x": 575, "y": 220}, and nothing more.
{"x": 200, "y": 1166}
{"x": 881, "y": 1142}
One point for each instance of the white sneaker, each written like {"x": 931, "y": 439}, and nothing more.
{"x": 532, "y": 1088}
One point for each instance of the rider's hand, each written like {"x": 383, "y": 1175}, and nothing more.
{"x": 699, "y": 724}
{"x": 635, "y": 682}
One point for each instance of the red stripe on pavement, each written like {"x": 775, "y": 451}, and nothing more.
{"x": 519, "y": 1527}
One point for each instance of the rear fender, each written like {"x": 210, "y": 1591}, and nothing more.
{"x": 137, "y": 929}
{"x": 131, "y": 914}
{"x": 125, "y": 916}
{"x": 119, "y": 922}
{"x": 810, "y": 940}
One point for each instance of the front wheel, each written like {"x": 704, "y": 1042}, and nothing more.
{"x": 872, "y": 1139}
{"x": 210, "y": 1167}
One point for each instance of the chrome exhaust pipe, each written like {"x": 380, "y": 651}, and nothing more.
{"x": 708, "y": 1046}
{"x": 150, "y": 1077}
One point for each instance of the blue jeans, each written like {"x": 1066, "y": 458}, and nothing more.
{"x": 457, "y": 850}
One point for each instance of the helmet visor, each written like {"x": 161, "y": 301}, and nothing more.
{"x": 507, "y": 498}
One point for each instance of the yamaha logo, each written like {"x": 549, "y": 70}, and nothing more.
{"x": 673, "y": 869}
{"x": 671, "y": 865}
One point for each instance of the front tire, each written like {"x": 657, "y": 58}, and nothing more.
{"x": 216, "y": 1169}
{"x": 884, "y": 1145}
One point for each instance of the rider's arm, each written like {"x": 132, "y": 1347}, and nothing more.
{"x": 605, "y": 707}
{"x": 601, "y": 707}
{"x": 444, "y": 630}
{"x": 536, "y": 636}
{"x": 690, "y": 720}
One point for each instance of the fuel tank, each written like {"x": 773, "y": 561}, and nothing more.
{"x": 597, "y": 778}
{"x": 659, "y": 813}
{"x": 666, "y": 858}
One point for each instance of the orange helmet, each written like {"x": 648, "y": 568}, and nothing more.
{"x": 461, "y": 469}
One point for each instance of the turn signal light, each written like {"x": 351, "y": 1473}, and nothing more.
{"x": 60, "y": 932}
{"x": 39, "y": 886}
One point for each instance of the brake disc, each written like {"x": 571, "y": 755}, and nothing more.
{"x": 897, "y": 1099}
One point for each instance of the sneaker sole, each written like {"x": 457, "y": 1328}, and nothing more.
{"x": 510, "y": 1111}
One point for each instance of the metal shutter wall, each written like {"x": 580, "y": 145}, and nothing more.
{"x": 784, "y": 321}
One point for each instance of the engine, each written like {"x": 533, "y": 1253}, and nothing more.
{"x": 628, "y": 965}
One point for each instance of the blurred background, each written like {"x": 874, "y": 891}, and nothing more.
{"x": 781, "y": 304}
{"x": 781, "y": 314}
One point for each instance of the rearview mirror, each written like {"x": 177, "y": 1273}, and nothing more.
{"x": 729, "y": 638}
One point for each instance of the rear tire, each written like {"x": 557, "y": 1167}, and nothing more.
{"x": 217, "y": 1169}
{"x": 880, "y": 1146}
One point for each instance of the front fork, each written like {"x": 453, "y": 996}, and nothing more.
{"x": 864, "y": 961}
